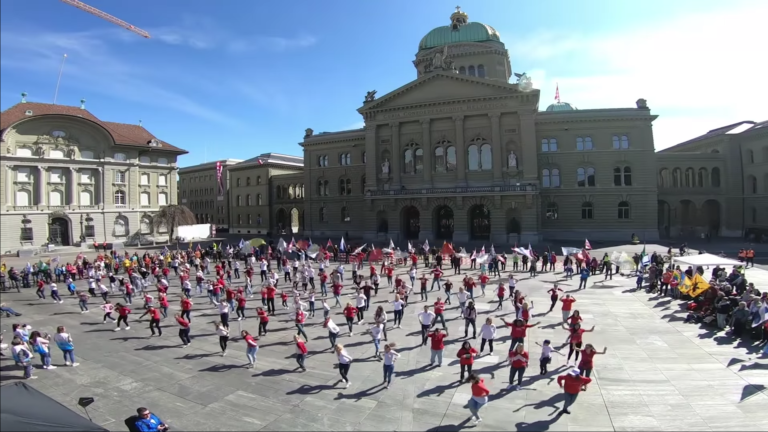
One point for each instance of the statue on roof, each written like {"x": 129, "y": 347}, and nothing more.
{"x": 524, "y": 82}
{"x": 370, "y": 96}
{"x": 308, "y": 133}
{"x": 440, "y": 60}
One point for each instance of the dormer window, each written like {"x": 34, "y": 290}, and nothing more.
{"x": 153, "y": 143}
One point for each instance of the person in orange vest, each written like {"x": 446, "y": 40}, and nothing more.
{"x": 742, "y": 255}
{"x": 750, "y": 255}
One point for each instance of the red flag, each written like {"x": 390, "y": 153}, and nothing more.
{"x": 329, "y": 244}
{"x": 587, "y": 246}
{"x": 557, "y": 93}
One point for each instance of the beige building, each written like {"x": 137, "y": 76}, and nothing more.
{"x": 260, "y": 203}
{"x": 205, "y": 193}
{"x": 462, "y": 154}
{"x": 716, "y": 183}
{"x": 69, "y": 177}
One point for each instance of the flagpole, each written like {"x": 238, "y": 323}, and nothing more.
{"x": 58, "y": 81}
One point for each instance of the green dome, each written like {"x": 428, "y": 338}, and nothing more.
{"x": 561, "y": 106}
{"x": 469, "y": 32}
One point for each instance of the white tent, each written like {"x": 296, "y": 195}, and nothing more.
{"x": 705, "y": 260}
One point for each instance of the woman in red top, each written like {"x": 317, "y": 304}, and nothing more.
{"x": 241, "y": 301}
{"x": 576, "y": 335}
{"x": 479, "y": 396}
{"x": 263, "y": 320}
{"x": 164, "y": 304}
{"x": 122, "y": 316}
{"x": 519, "y": 329}
{"x": 518, "y": 360}
{"x": 183, "y": 331}
{"x": 587, "y": 354}
{"x": 567, "y": 306}
{"x": 350, "y": 312}
{"x": 466, "y": 356}
{"x": 186, "y": 309}
{"x": 251, "y": 348}
{"x": 271, "y": 291}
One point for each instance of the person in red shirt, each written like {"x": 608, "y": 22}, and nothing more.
{"x": 263, "y": 320}
{"x": 518, "y": 328}
{"x": 389, "y": 270}
{"x": 122, "y": 316}
{"x": 154, "y": 320}
{"x": 437, "y": 346}
{"x": 575, "y": 318}
{"x": 423, "y": 279}
{"x": 501, "y": 291}
{"x": 230, "y": 295}
{"x": 553, "y": 296}
{"x": 479, "y": 396}
{"x": 186, "y": 309}
{"x": 439, "y": 310}
{"x": 466, "y": 356}
{"x": 41, "y": 290}
{"x": 183, "y": 331}
{"x": 337, "y": 287}
{"x": 350, "y": 313}
{"x": 518, "y": 362}
{"x": 587, "y": 354}
{"x": 568, "y": 302}
{"x": 573, "y": 383}
{"x": 241, "y": 301}
{"x": 284, "y": 298}
{"x": 323, "y": 284}
{"x": 576, "y": 335}
{"x": 251, "y": 348}
{"x": 484, "y": 278}
{"x": 436, "y": 275}
{"x": 271, "y": 291}
{"x": 163, "y": 300}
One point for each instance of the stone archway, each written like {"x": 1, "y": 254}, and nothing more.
{"x": 295, "y": 220}
{"x": 282, "y": 221}
{"x": 687, "y": 213}
{"x": 443, "y": 222}
{"x": 479, "y": 218}
{"x": 410, "y": 226}
{"x": 710, "y": 217}
{"x": 664, "y": 218}
{"x": 59, "y": 229}
{"x": 382, "y": 222}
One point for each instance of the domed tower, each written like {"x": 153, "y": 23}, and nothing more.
{"x": 469, "y": 48}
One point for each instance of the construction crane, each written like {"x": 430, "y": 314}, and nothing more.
{"x": 105, "y": 16}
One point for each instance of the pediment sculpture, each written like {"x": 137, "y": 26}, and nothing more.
{"x": 370, "y": 96}
{"x": 524, "y": 82}
{"x": 308, "y": 133}
{"x": 440, "y": 61}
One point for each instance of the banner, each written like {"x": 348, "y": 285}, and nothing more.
{"x": 570, "y": 251}
{"x": 219, "y": 168}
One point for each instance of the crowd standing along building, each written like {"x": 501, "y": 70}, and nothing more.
{"x": 70, "y": 178}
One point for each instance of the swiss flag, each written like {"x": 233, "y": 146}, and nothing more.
{"x": 587, "y": 246}
{"x": 260, "y": 162}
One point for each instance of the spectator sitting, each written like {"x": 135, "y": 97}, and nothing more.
{"x": 148, "y": 422}
{"x": 8, "y": 311}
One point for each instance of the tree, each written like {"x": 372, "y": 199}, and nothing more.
{"x": 171, "y": 217}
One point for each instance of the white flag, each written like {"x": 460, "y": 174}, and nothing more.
{"x": 391, "y": 244}
{"x": 281, "y": 246}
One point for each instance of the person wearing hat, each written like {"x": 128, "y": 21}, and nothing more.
{"x": 572, "y": 383}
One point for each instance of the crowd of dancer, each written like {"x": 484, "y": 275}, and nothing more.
{"x": 306, "y": 287}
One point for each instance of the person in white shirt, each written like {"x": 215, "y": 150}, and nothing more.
{"x": 463, "y": 296}
{"x": 340, "y": 270}
{"x": 376, "y": 332}
{"x": 222, "y": 330}
{"x": 333, "y": 331}
{"x": 104, "y": 291}
{"x": 360, "y": 304}
{"x": 24, "y": 356}
{"x": 390, "y": 356}
{"x": 311, "y": 276}
{"x": 487, "y": 334}
{"x": 398, "y": 306}
{"x": 326, "y": 309}
{"x": 380, "y": 317}
{"x": 263, "y": 269}
{"x": 224, "y": 314}
{"x": 345, "y": 362}
{"x": 546, "y": 355}
{"x": 426, "y": 318}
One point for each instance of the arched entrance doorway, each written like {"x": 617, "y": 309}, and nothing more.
{"x": 687, "y": 215}
{"x": 282, "y": 221}
{"x": 710, "y": 217}
{"x": 382, "y": 222}
{"x": 295, "y": 220}
{"x": 411, "y": 223}
{"x": 443, "y": 217}
{"x": 664, "y": 218}
{"x": 479, "y": 222}
{"x": 58, "y": 231}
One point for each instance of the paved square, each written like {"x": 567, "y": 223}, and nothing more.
{"x": 658, "y": 374}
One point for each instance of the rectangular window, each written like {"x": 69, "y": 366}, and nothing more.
{"x": 144, "y": 179}
{"x": 27, "y": 234}
{"x": 162, "y": 199}
{"x": 119, "y": 177}
{"x": 90, "y": 231}
{"x": 144, "y": 199}
{"x": 161, "y": 179}
{"x": 57, "y": 176}
{"x": 85, "y": 198}
{"x": 23, "y": 174}
{"x": 86, "y": 176}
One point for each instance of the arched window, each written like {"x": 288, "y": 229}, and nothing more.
{"x": 627, "y": 176}
{"x": 120, "y": 157}
{"x": 363, "y": 182}
{"x": 551, "y": 211}
{"x": 258, "y": 180}
{"x": 750, "y": 157}
{"x": 591, "y": 181}
{"x": 473, "y": 158}
{"x": 291, "y": 192}
{"x": 162, "y": 161}
{"x": 238, "y": 182}
{"x": 620, "y": 142}
{"x": 622, "y": 176}
{"x": 471, "y": 71}
{"x": 702, "y": 178}
{"x": 549, "y": 145}
{"x": 86, "y": 198}
{"x": 259, "y": 199}
{"x": 439, "y": 159}
{"x": 587, "y": 211}
{"x": 323, "y": 214}
{"x": 481, "y": 71}
{"x": 624, "y": 142}
{"x": 364, "y": 157}
{"x": 677, "y": 178}
{"x": 584, "y": 143}
{"x": 408, "y": 158}
{"x": 663, "y": 180}
{"x": 751, "y": 185}
{"x": 581, "y": 177}
{"x": 326, "y": 188}
{"x": 546, "y": 179}
{"x": 248, "y": 202}
{"x": 753, "y": 218}
{"x": 486, "y": 157}
{"x": 345, "y": 215}
{"x": 55, "y": 198}
{"x": 689, "y": 178}
{"x": 463, "y": 70}
{"x": 120, "y": 198}
{"x": 450, "y": 158}
{"x": 239, "y": 202}
{"x": 322, "y": 161}
{"x": 617, "y": 176}
{"x": 247, "y": 181}
{"x": 623, "y": 210}
{"x": 555, "y": 178}
{"x": 345, "y": 187}
{"x": 418, "y": 160}
{"x": 715, "y": 177}
{"x": 23, "y": 198}
{"x": 144, "y": 159}
{"x": 86, "y": 154}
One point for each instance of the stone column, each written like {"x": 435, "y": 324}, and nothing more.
{"x": 10, "y": 179}
{"x": 397, "y": 158}
{"x": 529, "y": 147}
{"x": 461, "y": 151}
{"x": 41, "y": 185}
{"x": 72, "y": 186}
{"x": 372, "y": 168}
{"x": 427, "y": 147}
{"x": 100, "y": 185}
{"x": 497, "y": 153}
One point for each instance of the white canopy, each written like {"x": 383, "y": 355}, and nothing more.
{"x": 705, "y": 260}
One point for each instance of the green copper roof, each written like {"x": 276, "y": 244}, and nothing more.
{"x": 470, "y": 32}
{"x": 561, "y": 106}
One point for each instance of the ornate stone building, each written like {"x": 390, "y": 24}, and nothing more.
{"x": 68, "y": 177}
{"x": 462, "y": 154}
{"x": 206, "y": 194}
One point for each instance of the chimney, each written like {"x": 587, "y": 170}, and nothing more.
{"x": 23, "y": 97}
{"x": 82, "y": 104}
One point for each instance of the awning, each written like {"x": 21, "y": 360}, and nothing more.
{"x": 705, "y": 260}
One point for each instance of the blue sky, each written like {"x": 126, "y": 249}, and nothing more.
{"x": 234, "y": 79}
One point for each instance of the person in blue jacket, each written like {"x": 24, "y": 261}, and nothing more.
{"x": 148, "y": 422}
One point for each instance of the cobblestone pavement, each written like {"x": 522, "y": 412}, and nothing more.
{"x": 658, "y": 374}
